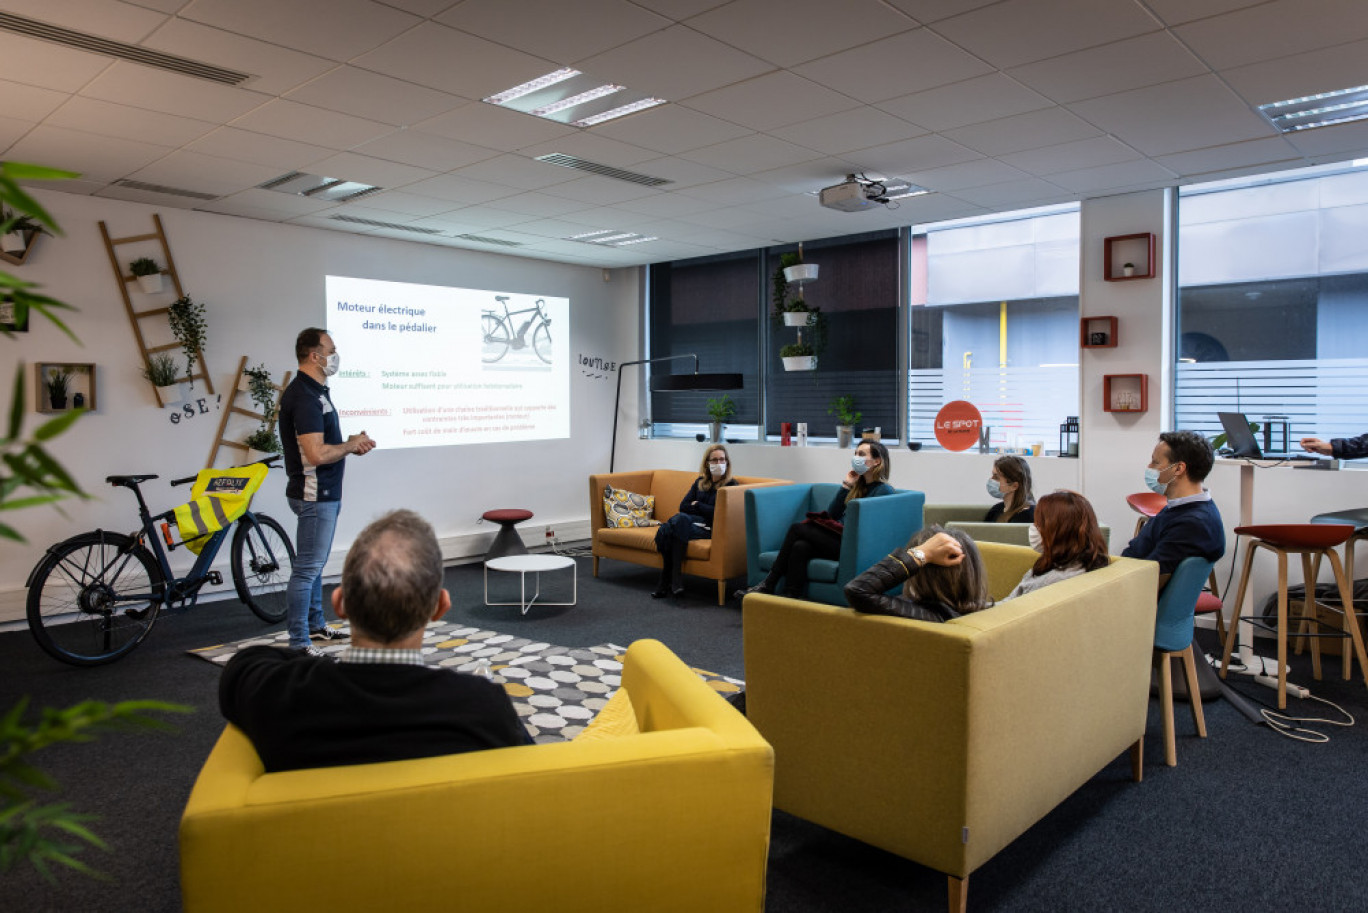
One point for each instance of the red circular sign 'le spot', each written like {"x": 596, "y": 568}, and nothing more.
{"x": 957, "y": 425}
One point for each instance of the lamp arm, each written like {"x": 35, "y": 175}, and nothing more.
{"x": 617, "y": 397}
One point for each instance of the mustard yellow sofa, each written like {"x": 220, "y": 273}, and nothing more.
{"x": 721, "y": 558}
{"x": 672, "y": 817}
{"x": 942, "y": 743}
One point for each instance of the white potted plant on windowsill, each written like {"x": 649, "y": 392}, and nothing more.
{"x": 847, "y": 417}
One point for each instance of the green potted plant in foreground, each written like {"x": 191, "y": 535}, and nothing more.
{"x": 847, "y": 417}
{"x": 148, "y": 274}
{"x": 719, "y": 410}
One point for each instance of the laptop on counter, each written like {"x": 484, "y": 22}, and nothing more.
{"x": 1242, "y": 443}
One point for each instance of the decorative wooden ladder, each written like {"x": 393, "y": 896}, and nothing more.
{"x": 230, "y": 409}
{"x": 135, "y": 316}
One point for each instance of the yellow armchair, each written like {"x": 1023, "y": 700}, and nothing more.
{"x": 671, "y": 815}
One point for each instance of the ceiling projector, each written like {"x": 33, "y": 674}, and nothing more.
{"x": 851, "y": 195}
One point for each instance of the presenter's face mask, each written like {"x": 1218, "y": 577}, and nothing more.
{"x": 1033, "y": 536}
{"x": 330, "y": 363}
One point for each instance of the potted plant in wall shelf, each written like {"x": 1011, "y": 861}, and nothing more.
{"x": 148, "y": 274}
{"x": 1128, "y": 269}
{"x": 190, "y": 330}
{"x": 58, "y": 383}
{"x": 18, "y": 231}
{"x": 798, "y": 356}
{"x": 847, "y": 417}
{"x": 161, "y": 371}
{"x": 719, "y": 410}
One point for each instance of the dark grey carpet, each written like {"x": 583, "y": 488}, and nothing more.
{"x": 1248, "y": 820}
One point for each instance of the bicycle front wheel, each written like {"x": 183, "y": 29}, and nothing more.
{"x": 495, "y": 338}
{"x": 94, "y": 597}
{"x": 541, "y": 343}
{"x": 263, "y": 560}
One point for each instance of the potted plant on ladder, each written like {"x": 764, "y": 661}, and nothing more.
{"x": 263, "y": 441}
{"x": 190, "y": 330}
{"x": 161, "y": 371}
{"x": 148, "y": 274}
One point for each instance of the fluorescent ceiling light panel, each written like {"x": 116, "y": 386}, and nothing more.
{"x": 905, "y": 192}
{"x": 573, "y": 100}
{"x": 635, "y": 241}
{"x": 620, "y": 111}
{"x": 536, "y": 85}
{"x": 612, "y": 238}
{"x": 1321, "y": 110}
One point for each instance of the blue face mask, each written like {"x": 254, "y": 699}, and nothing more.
{"x": 994, "y": 490}
{"x": 1152, "y": 481}
{"x": 859, "y": 464}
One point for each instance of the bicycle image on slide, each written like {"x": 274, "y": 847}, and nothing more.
{"x": 498, "y": 336}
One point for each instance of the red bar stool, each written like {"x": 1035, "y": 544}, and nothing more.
{"x": 1147, "y": 504}
{"x": 1310, "y": 540}
{"x": 507, "y": 542}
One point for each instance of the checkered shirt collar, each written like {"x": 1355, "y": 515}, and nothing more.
{"x": 374, "y": 656}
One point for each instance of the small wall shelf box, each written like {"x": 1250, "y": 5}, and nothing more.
{"x": 1097, "y": 333}
{"x": 1119, "y": 250}
{"x": 81, "y": 382}
{"x": 1125, "y": 392}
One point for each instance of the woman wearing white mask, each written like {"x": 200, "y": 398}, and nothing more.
{"x": 804, "y": 541}
{"x": 1010, "y": 486}
{"x": 1070, "y": 542}
{"x": 694, "y": 520}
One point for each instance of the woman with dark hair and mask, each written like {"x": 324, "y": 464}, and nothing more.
{"x": 1010, "y": 486}
{"x": 1070, "y": 542}
{"x": 943, "y": 573}
{"x": 693, "y": 521}
{"x": 867, "y": 478}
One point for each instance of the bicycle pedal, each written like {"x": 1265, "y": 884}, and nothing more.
{"x": 215, "y": 578}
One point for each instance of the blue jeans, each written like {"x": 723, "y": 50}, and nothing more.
{"x": 313, "y": 544}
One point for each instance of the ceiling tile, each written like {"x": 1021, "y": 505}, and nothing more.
{"x": 1174, "y": 12}
{"x": 953, "y": 178}
{"x": 423, "y": 150}
{"x": 285, "y": 205}
{"x": 968, "y": 102}
{"x": 404, "y": 203}
{"x": 1325, "y": 140}
{"x": 1188, "y": 114}
{"x": 674, "y": 64}
{"x": 274, "y": 69}
{"x": 352, "y": 167}
{"x": 1235, "y": 155}
{"x": 458, "y": 190}
{"x": 770, "y": 101}
{"x": 1111, "y": 68}
{"x": 95, "y": 158}
{"x": 1125, "y": 174}
{"x": 11, "y": 130}
{"x": 539, "y": 204}
{"x": 750, "y": 153}
{"x": 160, "y": 200}
{"x": 1301, "y": 74}
{"x": 117, "y": 21}
{"x": 244, "y": 145}
{"x": 807, "y": 177}
{"x": 1014, "y": 194}
{"x": 593, "y": 148}
{"x": 517, "y": 171}
{"x": 207, "y": 174}
{"x": 918, "y": 154}
{"x": 802, "y": 29}
{"x": 666, "y": 205}
{"x": 494, "y": 127}
{"x": 925, "y": 11}
{"x": 50, "y": 66}
{"x": 29, "y": 103}
{"x": 375, "y": 96}
{"x": 854, "y": 128}
{"x": 1085, "y": 153}
{"x": 452, "y": 61}
{"x": 898, "y": 65}
{"x": 349, "y": 28}
{"x": 683, "y": 173}
{"x": 306, "y": 123}
{"x": 1021, "y": 31}
{"x": 1271, "y": 30}
{"x": 735, "y": 191}
{"x": 171, "y": 93}
{"x": 1023, "y": 131}
{"x": 671, "y": 129}
{"x": 600, "y": 190}
{"x": 109, "y": 119}
{"x": 566, "y": 32}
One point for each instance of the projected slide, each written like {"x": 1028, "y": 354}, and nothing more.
{"x": 427, "y": 365}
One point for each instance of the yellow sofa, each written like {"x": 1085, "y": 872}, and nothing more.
{"x": 721, "y": 558}
{"x": 942, "y": 743}
{"x": 673, "y": 817}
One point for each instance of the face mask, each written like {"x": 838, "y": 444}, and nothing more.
{"x": 994, "y": 490}
{"x": 331, "y": 363}
{"x": 1033, "y": 536}
{"x": 859, "y": 464}
{"x": 717, "y": 469}
{"x": 1152, "y": 481}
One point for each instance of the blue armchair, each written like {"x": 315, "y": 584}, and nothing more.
{"x": 873, "y": 528}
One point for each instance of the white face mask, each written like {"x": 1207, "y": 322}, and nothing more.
{"x": 859, "y": 464}
{"x": 994, "y": 490}
{"x": 1152, "y": 481}
{"x": 331, "y": 363}
{"x": 1033, "y": 536}
{"x": 718, "y": 470}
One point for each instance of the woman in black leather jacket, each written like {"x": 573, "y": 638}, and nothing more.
{"x": 943, "y": 573}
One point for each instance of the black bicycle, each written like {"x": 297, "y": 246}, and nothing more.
{"x": 94, "y": 597}
{"x": 499, "y": 336}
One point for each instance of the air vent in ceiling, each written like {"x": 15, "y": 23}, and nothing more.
{"x": 318, "y": 187}
{"x": 33, "y": 28}
{"x": 481, "y": 239}
{"x": 607, "y": 171}
{"x": 392, "y": 226}
{"x": 162, "y": 188}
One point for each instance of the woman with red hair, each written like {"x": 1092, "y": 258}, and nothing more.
{"x": 1066, "y": 534}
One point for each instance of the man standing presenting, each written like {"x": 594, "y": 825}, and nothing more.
{"x": 1189, "y": 525}
{"x": 311, "y": 438}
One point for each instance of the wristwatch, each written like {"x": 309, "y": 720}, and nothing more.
{"x": 918, "y": 556}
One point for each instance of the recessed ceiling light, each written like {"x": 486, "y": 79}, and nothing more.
{"x": 536, "y": 85}
{"x": 573, "y": 100}
{"x": 592, "y": 234}
{"x": 635, "y": 241}
{"x": 1321, "y": 110}
{"x": 621, "y": 111}
{"x": 913, "y": 191}
{"x": 612, "y": 237}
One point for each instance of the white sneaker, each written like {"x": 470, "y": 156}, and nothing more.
{"x": 311, "y": 650}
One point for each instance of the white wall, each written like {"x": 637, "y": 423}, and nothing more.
{"x": 262, "y": 283}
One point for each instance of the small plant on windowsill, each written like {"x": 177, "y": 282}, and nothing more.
{"x": 720, "y": 408}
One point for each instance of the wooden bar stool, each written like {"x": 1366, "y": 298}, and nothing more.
{"x": 1149, "y": 503}
{"x": 1357, "y": 518}
{"x": 1309, "y": 540}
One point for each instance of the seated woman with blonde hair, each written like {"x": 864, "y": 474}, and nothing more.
{"x": 1070, "y": 542}
{"x": 943, "y": 573}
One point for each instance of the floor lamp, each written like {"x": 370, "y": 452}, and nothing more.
{"x": 670, "y": 383}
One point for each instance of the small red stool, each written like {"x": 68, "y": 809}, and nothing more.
{"x": 1311, "y": 541}
{"x": 1149, "y": 503}
{"x": 507, "y": 542}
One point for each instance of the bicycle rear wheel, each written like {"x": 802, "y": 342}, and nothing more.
{"x": 94, "y": 597}
{"x": 541, "y": 343}
{"x": 263, "y": 560}
{"x": 496, "y": 339}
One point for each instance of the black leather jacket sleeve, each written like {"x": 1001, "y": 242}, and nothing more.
{"x": 868, "y": 592}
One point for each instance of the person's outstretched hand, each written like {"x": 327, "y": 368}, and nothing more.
{"x": 1316, "y": 445}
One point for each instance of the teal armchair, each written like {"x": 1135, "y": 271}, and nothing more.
{"x": 873, "y": 528}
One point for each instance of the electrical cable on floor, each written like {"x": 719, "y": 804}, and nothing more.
{"x": 571, "y": 551}
{"x": 1282, "y": 723}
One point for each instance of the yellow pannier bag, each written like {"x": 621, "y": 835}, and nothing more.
{"x": 218, "y": 497}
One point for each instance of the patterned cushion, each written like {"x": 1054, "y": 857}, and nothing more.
{"x": 623, "y": 508}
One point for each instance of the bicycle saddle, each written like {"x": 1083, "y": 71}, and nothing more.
{"x": 127, "y": 481}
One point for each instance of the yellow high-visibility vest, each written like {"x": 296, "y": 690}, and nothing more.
{"x": 218, "y": 497}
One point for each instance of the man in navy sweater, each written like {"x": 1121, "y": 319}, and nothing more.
{"x": 1190, "y": 524}
{"x": 379, "y": 702}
